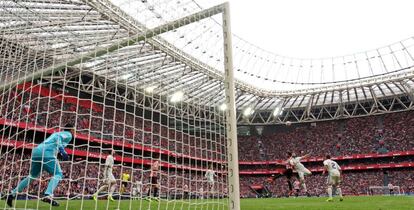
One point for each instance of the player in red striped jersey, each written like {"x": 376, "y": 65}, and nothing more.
{"x": 155, "y": 167}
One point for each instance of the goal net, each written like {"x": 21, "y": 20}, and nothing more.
{"x": 100, "y": 112}
{"x": 384, "y": 190}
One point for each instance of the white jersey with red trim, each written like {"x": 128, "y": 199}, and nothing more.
{"x": 332, "y": 167}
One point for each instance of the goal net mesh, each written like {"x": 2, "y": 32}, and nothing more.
{"x": 69, "y": 62}
{"x": 384, "y": 190}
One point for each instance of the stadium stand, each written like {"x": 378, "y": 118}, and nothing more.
{"x": 374, "y": 134}
{"x": 388, "y": 138}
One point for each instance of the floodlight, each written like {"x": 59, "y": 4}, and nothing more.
{"x": 223, "y": 107}
{"x": 150, "y": 89}
{"x": 177, "y": 96}
{"x": 248, "y": 111}
{"x": 277, "y": 112}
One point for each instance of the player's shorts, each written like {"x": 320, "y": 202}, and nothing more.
{"x": 334, "y": 180}
{"x": 51, "y": 165}
{"x": 109, "y": 178}
{"x": 154, "y": 180}
{"x": 210, "y": 181}
{"x": 302, "y": 173}
{"x": 124, "y": 183}
{"x": 288, "y": 173}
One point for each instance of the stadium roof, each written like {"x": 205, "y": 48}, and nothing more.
{"x": 265, "y": 69}
{"x": 190, "y": 58}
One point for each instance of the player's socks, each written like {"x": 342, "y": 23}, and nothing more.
{"x": 95, "y": 196}
{"x": 102, "y": 188}
{"x": 329, "y": 192}
{"x": 155, "y": 192}
{"x": 111, "y": 191}
{"x": 10, "y": 199}
{"x": 290, "y": 185}
{"x": 304, "y": 187}
{"x": 111, "y": 198}
{"x": 339, "y": 193}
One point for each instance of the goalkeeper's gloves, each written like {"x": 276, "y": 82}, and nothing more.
{"x": 63, "y": 153}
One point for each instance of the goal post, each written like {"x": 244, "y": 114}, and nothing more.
{"x": 165, "y": 123}
{"x": 233, "y": 157}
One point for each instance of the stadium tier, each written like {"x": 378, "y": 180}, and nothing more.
{"x": 387, "y": 151}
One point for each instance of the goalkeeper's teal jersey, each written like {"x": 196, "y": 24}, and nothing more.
{"x": 50, "y": 147}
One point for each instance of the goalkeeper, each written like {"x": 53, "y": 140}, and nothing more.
{"x": 44, "y": 157}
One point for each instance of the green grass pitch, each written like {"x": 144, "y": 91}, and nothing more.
{"x": 350, "y": 203}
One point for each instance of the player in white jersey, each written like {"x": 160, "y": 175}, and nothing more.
{"x": 300, "y": 169}
{"x": 334, "y": 177}
{"x": 137, "y": 189}
{"x": 109, "y": 181}
{"x": 210, "y": 174}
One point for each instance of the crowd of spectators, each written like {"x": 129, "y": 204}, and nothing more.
{"x": 248, "y": 148}
{"x": 398, "y": 131}
{"x": 374, "y": 134}
{"x": 111, "y": 123}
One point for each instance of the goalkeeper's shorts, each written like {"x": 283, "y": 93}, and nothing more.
{"x": 50, "y": 165}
